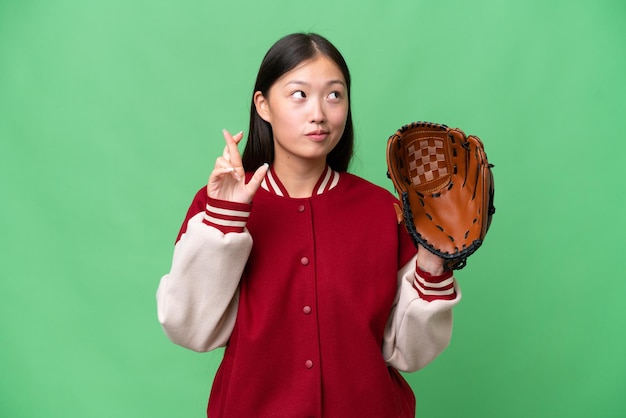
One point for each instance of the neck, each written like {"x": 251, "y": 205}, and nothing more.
{"x": 299, "y": 179}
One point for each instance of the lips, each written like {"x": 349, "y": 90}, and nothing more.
{"x": 317, "y": 135}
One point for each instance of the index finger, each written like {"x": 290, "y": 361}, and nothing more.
{"x": 231, "y": 152}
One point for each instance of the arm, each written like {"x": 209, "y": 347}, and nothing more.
{"x": 197, "y": 299}
{"x": 420, "y": 324}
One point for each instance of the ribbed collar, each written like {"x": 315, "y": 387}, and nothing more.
{"x": 327, "y": 181}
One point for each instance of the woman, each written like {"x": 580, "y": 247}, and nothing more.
{"x": 300, "y": 269}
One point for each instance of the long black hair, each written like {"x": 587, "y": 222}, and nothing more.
{"x": 286, "y": 54}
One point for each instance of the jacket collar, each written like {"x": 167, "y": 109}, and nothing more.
{"x": 327, "y": 181}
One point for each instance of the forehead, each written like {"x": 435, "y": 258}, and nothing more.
{"x": 320, "y": 69}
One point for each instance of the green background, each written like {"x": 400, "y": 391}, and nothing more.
{"x": 110, "y": 120}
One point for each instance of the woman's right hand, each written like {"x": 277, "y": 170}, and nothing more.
{"x": 227, "y": 180}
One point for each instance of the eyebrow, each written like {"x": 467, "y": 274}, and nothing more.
{"x": 304, "y": 83}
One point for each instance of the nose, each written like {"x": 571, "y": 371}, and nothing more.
{"x": 317, "y": 112}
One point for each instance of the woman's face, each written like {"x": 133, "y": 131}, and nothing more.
{"x": 307, "y": 108}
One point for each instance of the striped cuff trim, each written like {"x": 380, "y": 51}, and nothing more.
{"x": 227, "y": 216}
{"x": 431, "y": 287}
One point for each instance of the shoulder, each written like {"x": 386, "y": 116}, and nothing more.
{"x": 370, "y": 197}
{"x": 361, "y": 185}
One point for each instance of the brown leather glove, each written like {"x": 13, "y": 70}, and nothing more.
{"x": 446, "y": 188}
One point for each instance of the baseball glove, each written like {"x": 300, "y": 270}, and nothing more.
{"x": 446, "y": 189}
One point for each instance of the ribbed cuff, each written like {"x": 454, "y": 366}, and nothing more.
{"x": 227, "y": 216}
{"x": 430, "y": 287}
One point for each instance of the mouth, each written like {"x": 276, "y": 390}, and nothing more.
{"x": 317, "y": 135}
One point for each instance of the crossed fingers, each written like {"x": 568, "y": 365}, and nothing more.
{"x": 230, "y": 161}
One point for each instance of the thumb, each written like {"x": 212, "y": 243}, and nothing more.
{"x": 257, "y": 178}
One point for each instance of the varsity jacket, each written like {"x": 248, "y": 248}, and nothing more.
{"x": 317, "y": 301}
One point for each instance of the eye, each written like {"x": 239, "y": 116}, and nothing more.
{"x": 298, "y": 94}
{"x": 334, "y": 95}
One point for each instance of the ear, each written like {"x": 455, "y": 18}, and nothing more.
{"x": 262, "y": 106}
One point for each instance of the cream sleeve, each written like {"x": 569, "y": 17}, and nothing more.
{"x": 197, "y": 300}
{"x": 420, "y": 324}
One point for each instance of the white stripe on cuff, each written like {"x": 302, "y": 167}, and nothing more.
{"x": 439, "y": 285}
{"x": 426, "y": 292}
{"x": 224, "y": 222}
{"x": 227, "y": 212}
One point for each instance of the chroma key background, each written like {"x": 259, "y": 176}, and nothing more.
{"x": 110, "y": 120}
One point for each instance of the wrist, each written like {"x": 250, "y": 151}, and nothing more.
{"x": 429, "y": 262}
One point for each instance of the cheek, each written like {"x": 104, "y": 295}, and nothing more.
{"x": 277, "y": 116}
{"x": 285, "y": 122}
{"x": 339, "y": 117}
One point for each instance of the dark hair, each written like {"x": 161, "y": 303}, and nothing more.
{"x": 286, "y": 54}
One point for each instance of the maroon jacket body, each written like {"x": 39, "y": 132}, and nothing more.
{"x": 313, "y": 304}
